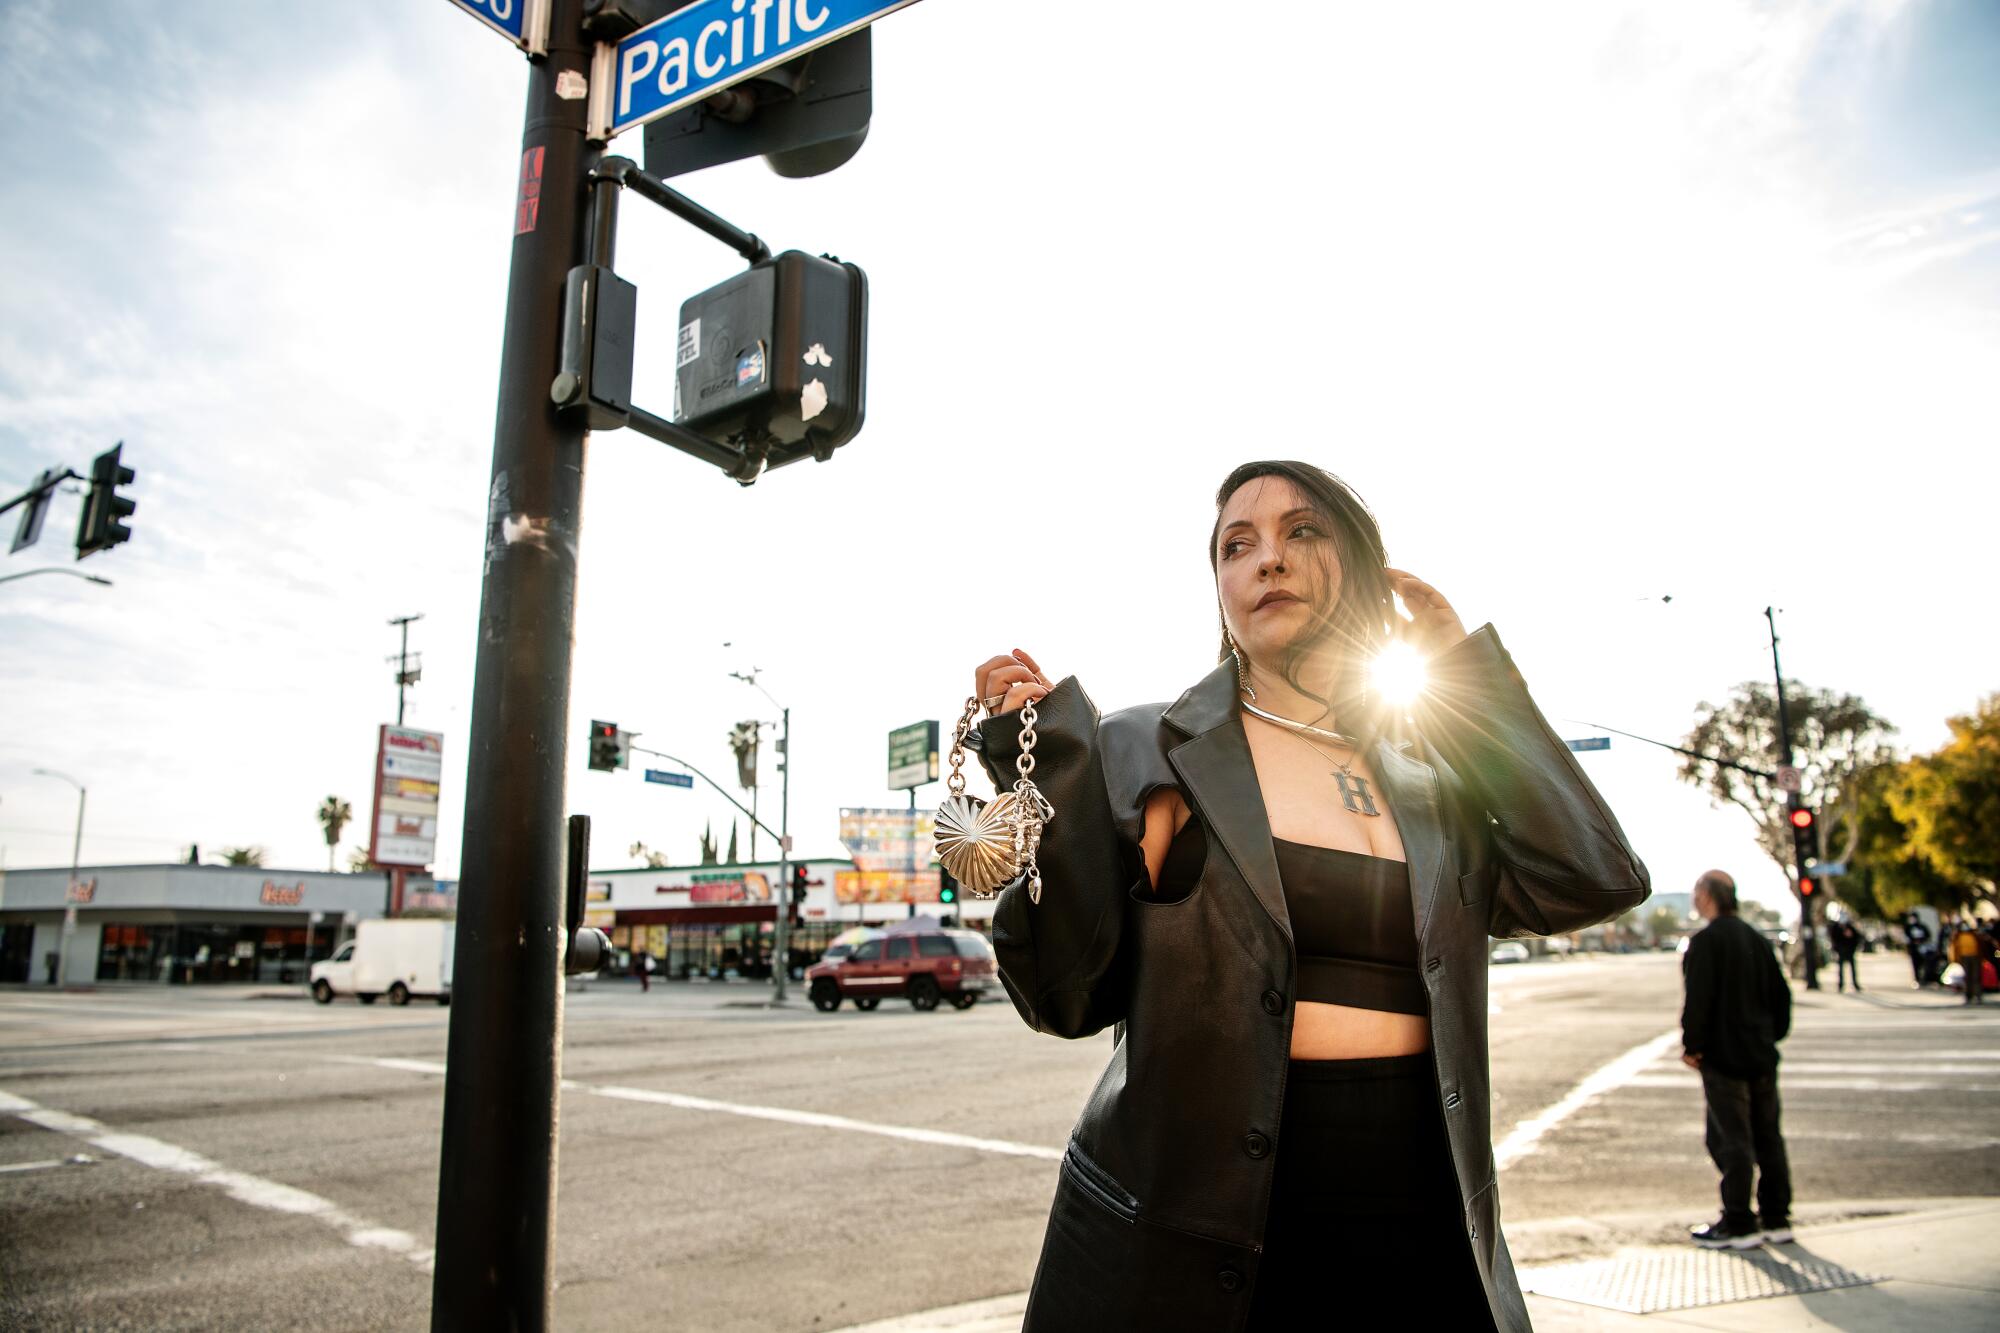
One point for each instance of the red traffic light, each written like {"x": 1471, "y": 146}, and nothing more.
{"x": 608, "y": 730}
{"x": 1807, "y": 888}
{"x": 1802, "y": 819}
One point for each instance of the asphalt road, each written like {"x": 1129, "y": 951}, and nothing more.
{"x": 174, "y": 1159}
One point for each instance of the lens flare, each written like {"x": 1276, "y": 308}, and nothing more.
{"x": 1398, "y": 674}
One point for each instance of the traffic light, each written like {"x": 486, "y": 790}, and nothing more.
{"x": 610, "y": 748}
{"x": 804, "y": 117}
{"x": 104, "y": 509}
{"x": 798, "y": 884}
{"x": 1805, "y": 838}
{"x": 947, "y": 886}
{"x": 775, "y": 359}
{"x": 1807, "y": 886}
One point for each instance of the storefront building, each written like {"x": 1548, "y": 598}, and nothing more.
{"x": 720, "y": 921}
{"x": 178, "y": 924}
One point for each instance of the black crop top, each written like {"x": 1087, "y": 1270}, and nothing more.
{"x": 1351, "y": 920}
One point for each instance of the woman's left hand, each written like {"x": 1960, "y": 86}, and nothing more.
{"x": 1433, "y": 626}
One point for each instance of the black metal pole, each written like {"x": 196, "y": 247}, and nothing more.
{"x": 1810, "y": 940}
{"x": 497, "y": 1175}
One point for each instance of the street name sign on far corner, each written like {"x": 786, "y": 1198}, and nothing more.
{"x": 913, "y": 755}
{"x": 1590, "y": 743}
{"x": 706, "y": 47}
{"x": 660, "y": 775}
{"x": 523, "y": 22}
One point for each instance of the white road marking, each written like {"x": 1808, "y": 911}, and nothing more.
{"x": 1809, "y": 1084}
{"x": 29, "y": 1166}
{"x": 682, "y": 1101}
{"x": 1620, "y": 1072}
{"x": 239, "y": 1185}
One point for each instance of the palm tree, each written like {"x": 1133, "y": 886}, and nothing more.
{"x": 243, "y": 856}
{"x": 334, "y": 814}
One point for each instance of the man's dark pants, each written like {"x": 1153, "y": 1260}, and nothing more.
{"x": 1844, "y": 968}
{"x": 1744, "y": 1139}
{"x": 1975, "y": 979}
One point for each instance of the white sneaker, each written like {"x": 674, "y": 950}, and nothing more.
{"x": 1778, "y": 1235}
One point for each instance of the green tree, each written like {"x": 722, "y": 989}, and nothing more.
{"x": 1835, "y": 739}
{"x": 334, "y": 815}
{"x": 1889, "y": 876}
{"x": 1663, "y": 923}
{"x": 358, "y": 862}
{"x": 243, "y": 856}
{"x": 1949, "y": 801}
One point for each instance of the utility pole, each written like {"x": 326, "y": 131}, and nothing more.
{"x": 1807, "y": 927}
{"x": 781, "y": 937}
{"x": 404, "y": 676}
{"x": 497, "y": 1170}
{"x": 75, "y": 860}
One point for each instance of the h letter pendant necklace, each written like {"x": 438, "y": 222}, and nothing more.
{"x": 1354, "y": 793}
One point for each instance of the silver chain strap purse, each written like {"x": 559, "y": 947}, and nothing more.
{"x": 987, "y": 845}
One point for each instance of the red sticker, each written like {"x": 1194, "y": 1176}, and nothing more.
{"x": 529, "y": 206}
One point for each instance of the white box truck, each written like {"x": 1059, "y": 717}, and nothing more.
{"x": 402, "y": 959}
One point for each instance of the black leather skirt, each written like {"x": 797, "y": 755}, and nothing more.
{"x": 1365, "y": 1224}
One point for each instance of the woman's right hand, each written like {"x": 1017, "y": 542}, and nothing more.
{"x": 1015, "y": 676}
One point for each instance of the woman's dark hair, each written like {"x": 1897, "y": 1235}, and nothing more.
{"x": 1361, "y": 617}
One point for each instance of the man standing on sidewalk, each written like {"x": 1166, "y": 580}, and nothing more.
{"x": 1738, "y": 1009}
{"x": 1846, "y": 943}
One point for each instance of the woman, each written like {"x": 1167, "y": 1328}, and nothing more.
{"x": 1283, "y": 906}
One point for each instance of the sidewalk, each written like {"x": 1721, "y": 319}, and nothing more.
{"x": 1933, "y": 1267}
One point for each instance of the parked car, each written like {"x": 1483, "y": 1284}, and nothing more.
{"x": 401, "y": 959}
{"x": 923, "y": 967}
{"x": 1510, "y": 951}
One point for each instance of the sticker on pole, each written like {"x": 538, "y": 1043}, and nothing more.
{"x": 528, "y": 206}
{"x": 1790, "y": 779}
{"x": 690, "y": 344}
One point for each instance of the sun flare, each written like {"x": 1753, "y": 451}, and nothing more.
{"x": 1398, "y": 674}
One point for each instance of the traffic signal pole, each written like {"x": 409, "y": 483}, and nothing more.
{"x": 1807, "y": 928}
{"x": 497, "y": 1176}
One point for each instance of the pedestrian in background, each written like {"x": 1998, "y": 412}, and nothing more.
{"x": 1846, "y": 943}
{"x": 1738, "y": 1009}
{"x": 642, "y": 967}
{"x": 1917, "y": 936}
{"x": 1971, "y": 959}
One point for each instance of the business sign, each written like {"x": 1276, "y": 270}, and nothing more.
{"x": 523, "y": 22}
{"x": 889, "y": 839}
{"x": 409, "y": 770}
{"x": 727, "y": 886}
{"x": 885, "y": 886}
{"x": 706, "y": 47}
{"x": 282, "y": 895}
{"x": 80, "y": 891}
{"x": 913, "y": 755}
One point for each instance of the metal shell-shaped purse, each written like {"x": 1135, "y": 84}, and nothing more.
{"x": 987, "y": 845}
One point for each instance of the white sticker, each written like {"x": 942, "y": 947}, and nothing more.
{"x": 690, "y": 348}
{"x": 816, "y": 355}
{"x": 572, "y": 86}
{"x": 812, "y": 400}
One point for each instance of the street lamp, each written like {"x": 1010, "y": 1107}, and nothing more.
{"x": 75, "y": 855}
{"x": 56, "y": 569}
{"x": 781, "y": 937}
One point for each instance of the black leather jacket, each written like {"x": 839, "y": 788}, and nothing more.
{"x": 1160, "y": 1201}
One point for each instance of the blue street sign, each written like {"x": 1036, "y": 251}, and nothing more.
{"x": 1830, "y": 869}
{"x": 670, "y": 779}
{"x": 524, "y": 22}
{"x": 1590, "y": 743}
{"x": 708, "y": 46}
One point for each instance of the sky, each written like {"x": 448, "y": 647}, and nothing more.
{"x": 1594, "y": 302}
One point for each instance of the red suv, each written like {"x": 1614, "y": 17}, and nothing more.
{"x": 955, "y": 965}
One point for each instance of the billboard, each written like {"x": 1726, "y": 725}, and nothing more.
{"x": 880, "y": 839}
{"x": 409, "y": 766}
{"x": 913, "y": 756}
{"x": 885, "y": 886}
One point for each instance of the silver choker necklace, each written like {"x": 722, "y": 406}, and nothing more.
{"x": 1334, "y": 736}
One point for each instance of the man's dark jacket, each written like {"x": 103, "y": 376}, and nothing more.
{"x": 1738, "y": 1006}
{"x": 1158, "y": 1220}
